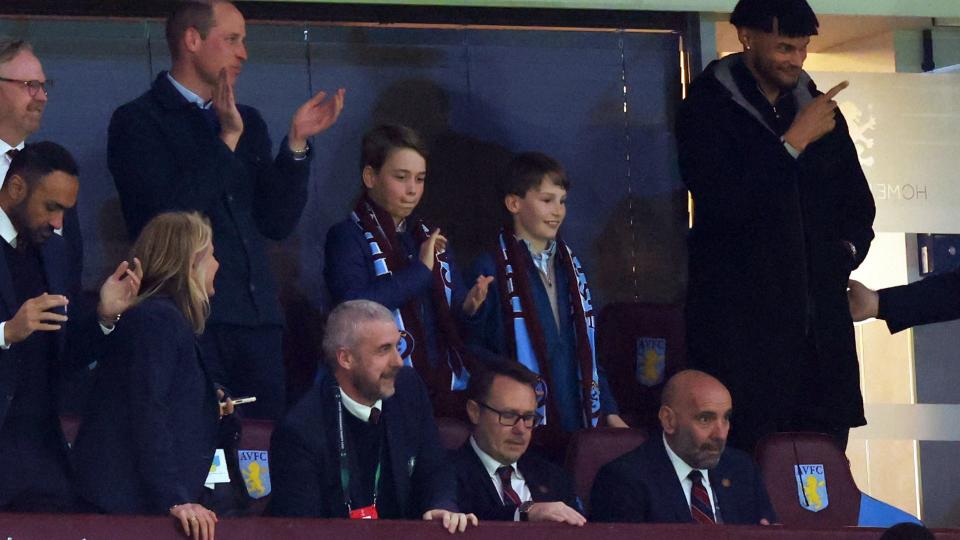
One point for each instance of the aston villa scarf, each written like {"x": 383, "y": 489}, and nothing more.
{"x": 388, "y": 255}
{"x": 525, "y": 333}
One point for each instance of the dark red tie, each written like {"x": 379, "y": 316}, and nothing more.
{"x": 506, "y": 474}
{"x": 700, "y": 507}
{"x": 374, "y": 416}
{"x": 12, "y": 153}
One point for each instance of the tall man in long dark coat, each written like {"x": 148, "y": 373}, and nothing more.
{"x": 782, "y": 215}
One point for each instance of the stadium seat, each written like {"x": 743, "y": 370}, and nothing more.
{"x": 591, "y": 449}
{"x": 778, "y": 454}
{"x": 453, "y": 432}
{"x": 255, "y": 436}
{"x": 640, "y": 346}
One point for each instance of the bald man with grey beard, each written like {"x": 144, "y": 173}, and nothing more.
{"x": 685, "y": 473}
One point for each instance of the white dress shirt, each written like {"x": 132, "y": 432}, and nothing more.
{"x": 683, "y": 470}
{"x": 5, "y": 159}
{"x": 517, "y": 481}
{"x": 9, "y": 235}
{"x": 358, "y": 409}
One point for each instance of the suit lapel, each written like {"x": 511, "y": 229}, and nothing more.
{"x": 536, "y": 482}
{"x": 479, "y": 477}
{"x": 51, "y": 257}
{"x": 667, "y": 476}
{"x": 402, "y": 468}
{"x": 6, "y": 285}
{"x": 54, "y": 266}
{"x": 719, "y": 484}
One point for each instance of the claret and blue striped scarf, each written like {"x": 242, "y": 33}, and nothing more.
{"x": 388, "y": 256}
{"x": 525, "y": 333}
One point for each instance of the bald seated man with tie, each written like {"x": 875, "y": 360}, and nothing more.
{"x": 685, "y": 474}
{"x": 362, "y": 443}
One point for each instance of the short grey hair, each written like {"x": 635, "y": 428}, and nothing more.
{"x": 10, "y": 47}
{"x": 345, "y": 320}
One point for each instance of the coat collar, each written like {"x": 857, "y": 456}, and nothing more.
{"x": 720, "y": 70}
{"x": 167, "y": 95}
{"x": 666, "y": 476}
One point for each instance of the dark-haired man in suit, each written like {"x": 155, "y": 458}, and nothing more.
{"x": 362, "y": 443}
{"x": 497, "y": 478}
{"x": 36, "y": 286}
{"x": 687, "y": 474}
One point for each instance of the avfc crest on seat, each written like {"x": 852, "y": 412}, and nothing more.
{"x": 811, "y": 487}
{"x": 255, "y": 466}
{"x": 651, "y": 360}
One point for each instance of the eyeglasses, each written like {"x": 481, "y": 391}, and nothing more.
{"x": 510, "y": 419}
{"x": 32, "y": 86}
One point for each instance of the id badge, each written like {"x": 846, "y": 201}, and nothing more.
{"x": 367, "y": 512}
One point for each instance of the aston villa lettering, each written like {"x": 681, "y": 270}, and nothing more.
{"x": 900, "y": 192}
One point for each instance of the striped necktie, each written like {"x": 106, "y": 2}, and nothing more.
{"x": 506, "y": 474}
{"x": 700, "y": 507}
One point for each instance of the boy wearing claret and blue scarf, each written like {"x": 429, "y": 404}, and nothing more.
{"x": 538, "y": 309}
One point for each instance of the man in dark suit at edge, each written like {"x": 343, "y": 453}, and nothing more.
{"x": 497, "y": 478}
{"x": 36, "y": 287}
{"x": 187, "y": 145}
{"x": 686, "y": 474}
{"x": 362, "y": 443}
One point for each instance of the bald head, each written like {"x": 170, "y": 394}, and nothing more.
{"x": 695, "y": 414}
{"x": 687, "y": 383}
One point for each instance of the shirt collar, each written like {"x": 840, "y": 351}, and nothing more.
{"x": 6, "y": 147}
{"x": 188, "y": 94}
{"x": 489, "y": 463}
{"x": 548, "y": 252}
{"x": 681, "y": 467}
{"x": 358, "y": 409}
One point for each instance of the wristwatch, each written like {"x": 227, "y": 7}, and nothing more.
{"x": 300, "y": 154}
{"x": 525, "y": 510}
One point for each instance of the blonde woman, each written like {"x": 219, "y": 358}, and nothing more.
{"x": 149, "y": 437}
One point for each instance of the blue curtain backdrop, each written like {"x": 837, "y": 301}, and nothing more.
{"x": 477, "y": 95}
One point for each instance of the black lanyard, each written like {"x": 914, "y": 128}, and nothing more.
{"x": 344, "y": 461}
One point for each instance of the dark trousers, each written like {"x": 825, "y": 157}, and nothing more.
{"x": 248, "y": 361}
{"x": 34, "y": 472}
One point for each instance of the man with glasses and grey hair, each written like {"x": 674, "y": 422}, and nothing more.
{"x": 365, "y": 427}
{"x": 497, "y": 478}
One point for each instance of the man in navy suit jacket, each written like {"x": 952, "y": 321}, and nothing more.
{"x": 187, "y": 145}
{"x": 502, "y": 405}
{"x": 362, "y": 443}
{"x": 685, "y": 475}
{"x": 931, "y": 300}
{"x": 35, "y": 288}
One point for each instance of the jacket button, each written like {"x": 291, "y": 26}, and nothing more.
{"x": 230, "y": 198}
{"x": 253, "y": 288}
{"x": 9, "y": 397}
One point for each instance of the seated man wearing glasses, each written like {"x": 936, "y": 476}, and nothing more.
{"x": 496, "y": 478}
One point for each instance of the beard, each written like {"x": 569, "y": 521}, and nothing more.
{"x": 27, "y": 235}
{"x": 380, "y": 388}
{"x": 783, "y": 76}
